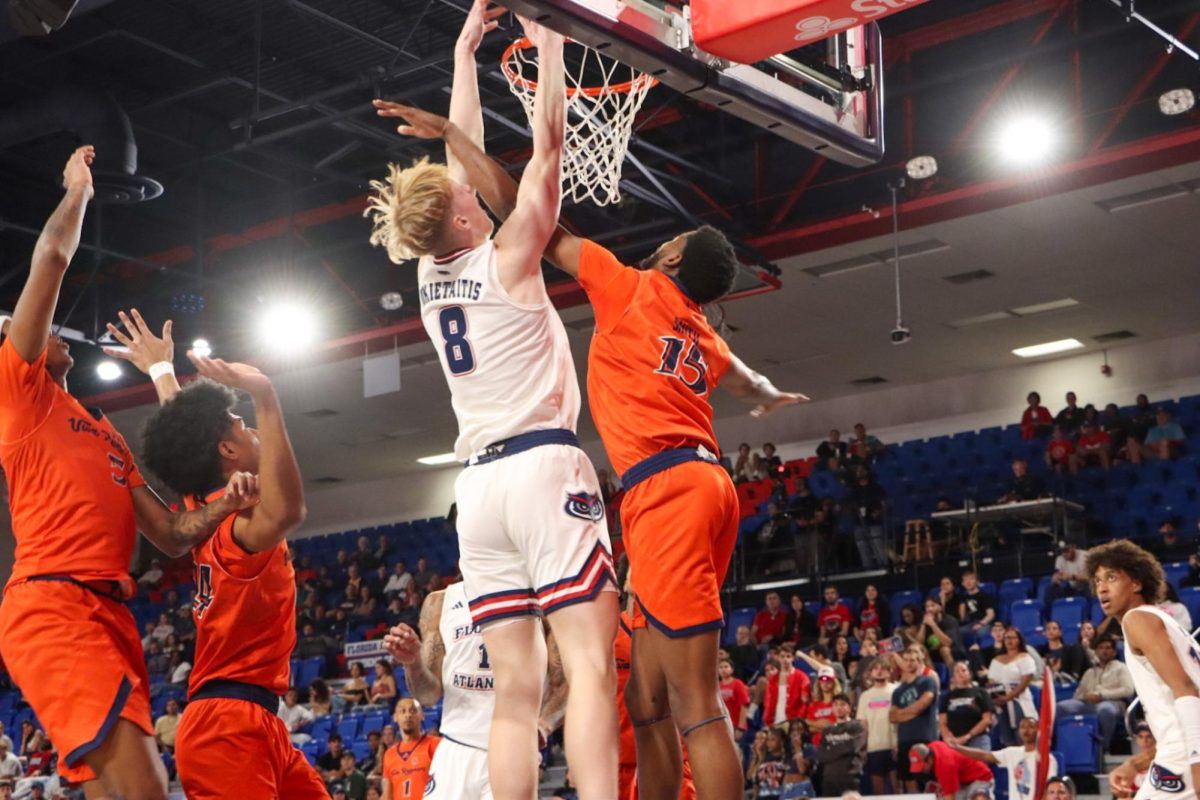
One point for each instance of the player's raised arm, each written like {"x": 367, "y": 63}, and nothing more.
{"x": 465, "y": 109}
{"x": 525, "y": 234}
{"x": 177, "y": 532}
{"x": 152, "y": 355}
{"x": 753, "y": 387}
{"x": 30, "y": 327}
{"x": 421, "y": 656}
{"x": 281, "y": 508}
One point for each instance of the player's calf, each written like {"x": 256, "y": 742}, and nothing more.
{"x": 127, "y": 767}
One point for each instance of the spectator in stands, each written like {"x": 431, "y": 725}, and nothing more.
{"x": 312, "y": 644}
{"x": 341, "y": 566}
{"x": 1011, "y": 671}
{"x": 350, "y": 595}
{"x": 1070, "y": 573}
{"x": 1178, "y": 611}
{"x": 1067, "y": 660}
{"x": 976, "y": 608}
{"x": 354, "y": 783}
{"x": 1093, "y": 445}
{"x": 913, "y": 711}
{"x": 356, "y": 691}
{"x": 743, "y": 653}
{"x": 156, "y": 660}
{"x": 148, "y": 635}
{"x": 1142, "y": 419}
{"x": 797, "y": 783}
{"x": 867, "y": 499}
{"x": 873, "y": 612}
{"x": 153, "y": 574}
{"x": 873, "y": 707}
{"x": 10, "y": 765}
{"x": 772, "y": 465}
{"x": 43, "y": 758}
{"x": 364, "y": 556}
{"x": 833, "y": 451}
{"x": 27, "y": 732}
{"x": 735, "y": 695}
{"x": 367, "y": 604}
{"x": 383, "y": 690}
{"x": 835, "y": 617}
{"x": 367, "y": 765}
{"x": 330, "y": 762}
{"x": 1126, "y": 779}
{"x": 164, "y": 628}
{"x": 743, "y": 470}
{"x": 1104, "y": 690}
{"x": 424, "y": 576}
{"x": 947, "y": 595}
{"x": 354, "y": 578}
{"x": 787, "y": 692}
{"x": 865, "y": 447}
{"x": 802, "y": 626}
{"x": 1070, "y": 417}
{"x": 768, "y": 764}
{"x": 6, "y": 784}
{"x": 383, "y": 548}
{"x": 819, "y": 713}
{"x": 1059, "y": 787}
{"x": 941, "y": 635}
{"x": 4, "y": 738}
{"x": 844, "y": 658}
{"x": 842, "y": 750}
{"x": 868, "y": 654}
{"x": 1087, "y": 635}
{"x": 1023, "y": 486}
{"x": 910, "y": 630}
{"x": 1117, "y": 426}
{"x": 957, "y": 776}
{"x": 965, "y": 710}
{"x": 1021, "y": 761}
{"x": 399, "y": 581}
{"x": 1059, "y": 450}
{"x": 770, "y": 623}
{"x": 1164, "y": 441}
{"x": 387, "y": 739}
{"x": 1036, "y": 422}
{"x": 295, "y": 716}
{"x": 166, "y": 726}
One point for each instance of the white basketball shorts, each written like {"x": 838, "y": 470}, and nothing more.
{"x": 531, "y": 533}
{"x": 458, "y": 772}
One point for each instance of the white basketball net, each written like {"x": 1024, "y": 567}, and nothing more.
{"x": 599, "y": 117}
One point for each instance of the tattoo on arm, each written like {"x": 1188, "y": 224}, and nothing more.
{"x": 424, "y": 677}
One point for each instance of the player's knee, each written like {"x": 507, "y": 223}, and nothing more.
{"x": 144, "y": 786}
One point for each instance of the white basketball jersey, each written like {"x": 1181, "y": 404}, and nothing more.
{"x": 468, "y": 696}
{"x": 1156, "y": 696}
{"x": 509, "y": 365}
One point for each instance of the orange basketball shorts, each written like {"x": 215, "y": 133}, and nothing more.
{"x": 236, "y": 749}
{"x": 680, "y": 527}
{"x": 77, "y": 658}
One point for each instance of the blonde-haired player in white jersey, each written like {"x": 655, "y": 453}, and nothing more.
{"x": 530, "y": 519}
{"x": 451, "y": 663}
{"x": 1164, "y": 662}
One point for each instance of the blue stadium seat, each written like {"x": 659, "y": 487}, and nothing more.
{"x": 1190, "y": 597}
{"x": 348, "y": 727}
{"x": 360, "y": 748}
{"x": 322, "y": 727}
{"x": 1069, "y": 611}
{"x": 1026, "y": 616}
{"x": 312, "y": 751}
{"x": 1078, "y": 739}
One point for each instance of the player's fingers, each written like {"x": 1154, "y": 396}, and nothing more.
{"x": 118, "y": 335}
{"x": 129, "y": 325}
{"x": 167, "y": 327}
{"x": 406, "y": 130}
{"x": 495, "y": 11}
{"x": 115, "y": 352}
{"x": 143, "y": 328}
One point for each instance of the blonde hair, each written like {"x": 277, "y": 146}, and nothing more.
{"x": 408, "y": 208}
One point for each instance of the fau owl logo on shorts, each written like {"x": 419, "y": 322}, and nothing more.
{"x": 585, "y": 506}
{"x": 1164, "y": 780}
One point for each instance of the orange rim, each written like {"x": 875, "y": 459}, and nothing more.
{"x": 589, "y": 91}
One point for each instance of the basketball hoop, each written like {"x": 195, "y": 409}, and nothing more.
{"x": 600, "y": 113}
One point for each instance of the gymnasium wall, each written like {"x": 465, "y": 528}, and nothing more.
{"x": 1164, "y": 368}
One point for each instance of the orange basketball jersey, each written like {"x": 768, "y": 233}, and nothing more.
{"x": 245, "y": 611}
{"x": 654, "y": 361}
{"x": 70, "y": 478}
{"x": 406, "y": 768}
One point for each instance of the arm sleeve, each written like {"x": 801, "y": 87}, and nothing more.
{"x": 609, "y": 283}
{"x": 26, "y": 393}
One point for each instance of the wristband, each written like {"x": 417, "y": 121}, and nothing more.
{"x": 1187, "y": 712}
{"x": 160, "y": 368}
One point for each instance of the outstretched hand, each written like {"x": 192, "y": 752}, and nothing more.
{"x": 78, "y": 173}
{"x": 784, "y": 399}
{"x": 419, "y": 123}
{"x": 241, "y": 492}
{"x": 403, "y": 644}
{"x": 541, "y": 36}
{"x": 140, "y": 346}
{"x": 235, "y": 375}
{"x": 481, "y": 19}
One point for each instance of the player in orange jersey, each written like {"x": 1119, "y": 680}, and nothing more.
{"x": 77, "y": 501}
{"x": 231, "y": 743}
{"x": 653, "y": 364}
{"x": 406, "y": 765}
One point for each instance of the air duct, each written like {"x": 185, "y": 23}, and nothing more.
{"x": 96, "y": 118}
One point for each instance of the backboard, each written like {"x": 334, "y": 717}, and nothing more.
{"x": 826, "y": 96}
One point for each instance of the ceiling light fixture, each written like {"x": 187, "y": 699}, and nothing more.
{"x": 438, "y": 460}
{"x": 921, "y": 167}
{"x": 202, "y": 348}
{"x": 1026, "y": 141}
{"x": 1047, "y": 348}
{"x": 1176, "y": 101}
{"x": 288, "y": 328}
{"x": 108, "y": 370}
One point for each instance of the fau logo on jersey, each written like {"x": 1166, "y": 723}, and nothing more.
{"x": 585, "y": 505}
{"x": 1164, "y": 780}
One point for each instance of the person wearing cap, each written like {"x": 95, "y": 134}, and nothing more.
{"x": 819, "y": 714}
{"x": 1021, "y": 761}
{"x": 842, "y": 750}
{"x": 1127, "y": 778}
{"x": 956, "y": 775}
{"x": 1093, "y": 445}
